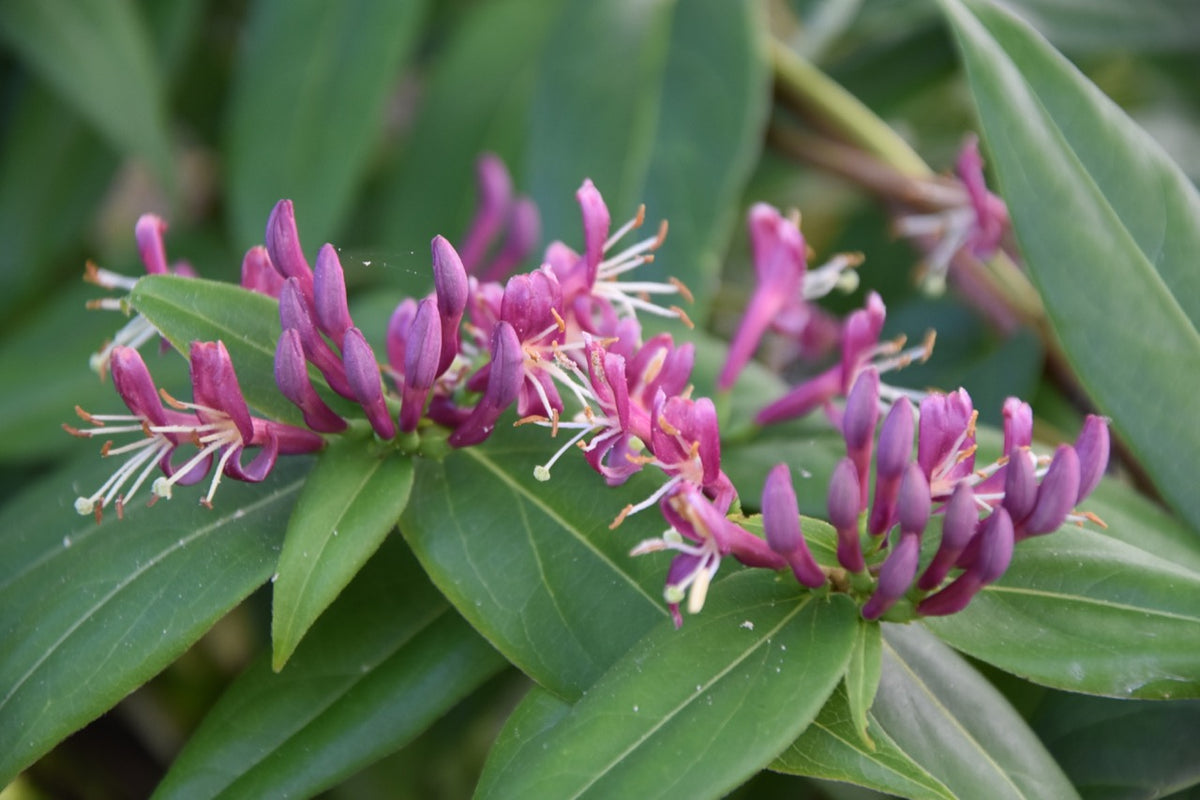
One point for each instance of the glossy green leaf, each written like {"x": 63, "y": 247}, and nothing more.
{"x": 693, "y": 712}
{"x": 386, "y": 659}
{"x": 309, "y": 94}
{"x": 98, "y": 56}
{"x": 862, "y": 676}
{"x": 1122, "y": 748}
{"x": 1085, "y": 612}
{"x": 662, "y": 103}
{"x": 191, "y": 309}
{"x": 1131, "y": 237}
{"x": 433, "y": 190}
{"x": 939, "y": 724}
{"x": 953, "y": 722}
{"x": 533, "y": 566}
{"x": 350, "y": 503}
{"x": 537, "y": 713}
{"x": 89, "y": 612}
{"x": 832, "y": 749}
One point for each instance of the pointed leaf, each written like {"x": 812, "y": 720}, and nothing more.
{"x": 862, "y": 676}
{"x": 1055, "y": 141}
{"x": 662, "y": 103}
{"x": 192, "y": 309}
{"x": 832, "y": 749}
{"x": 386, "y": 659}
{"x": 350, "y": 503}
{"x": 950, "y": 724}
{"x": 309, "y": 93}
{"x": 693, "y": 712}
{"x": 98, "y": 56}
{"x": 89, "y": 612}
{"x": 533, "y": 566}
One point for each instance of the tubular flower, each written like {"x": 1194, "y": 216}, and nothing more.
{"x": 217, "y": 424}
{"x": 148, "y": 232}
{"x": 784, "y": 287}
{"x": 968, "y": 219}
{"x": 861, "y": 349}
{"x": 701, "y": 535}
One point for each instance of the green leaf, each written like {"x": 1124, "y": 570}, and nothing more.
{"x": 1085, "y": 612}
{"x": 862, "y": 676}
{"x": 693, "y": 712}
{"x": 831, "y": 748}
{"x": 956, "y": 724}
{"x": 1122, "y": 748}
{"x": 98, "y": 56}
{"x": 191, "y": 309}
{"x": 89, "y": 612}
{"x": 386, "y": 659}
{"x": 1131, "y": 237}
{"x": 662, "y": 103}
{"x": 433, "y": 190}
{"x": 533, "y": 566}
{"x": 951, "y": 729}
{"x": 349, "y": 505}
{"x": 309, "y": 93}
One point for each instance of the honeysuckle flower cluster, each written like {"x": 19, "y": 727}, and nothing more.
{"x": 562, "y": 343}
{"x": 986, "y": 510}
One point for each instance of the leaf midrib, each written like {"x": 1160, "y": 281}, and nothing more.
{"x": 178, "y": 544}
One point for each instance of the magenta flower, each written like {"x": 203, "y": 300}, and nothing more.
{"x": 148, "y": 233}
{"x": 970, "y": 220}
{"x": 217, "y": 423}
{"x": 779, "y": 266}
{"x": 783, "y": 290}
{"x": 861, "y": 349}
{"x": 701, "y": 535}
{"x": 781, "y": 524}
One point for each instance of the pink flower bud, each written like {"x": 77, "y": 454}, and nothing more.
{"x": 362, "y": 372}
{"x": 291, "y": 376}
{"x": 844, "y": 505}
{"x": 781, "y": 524}
{"x": 329, "y": 295}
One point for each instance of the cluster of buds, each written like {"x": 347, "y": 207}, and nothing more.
{"x": 456, "y": 359}
{"x": 986, "y": 510}
{"x": 563, "y": 344}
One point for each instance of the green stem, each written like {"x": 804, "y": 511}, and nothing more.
{"x": 820, "y": 99}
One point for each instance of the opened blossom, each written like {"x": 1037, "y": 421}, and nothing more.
{"x": 784, "y": 287}
{"x": 215, "y": 430}
{"x": 969, "y": 220}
